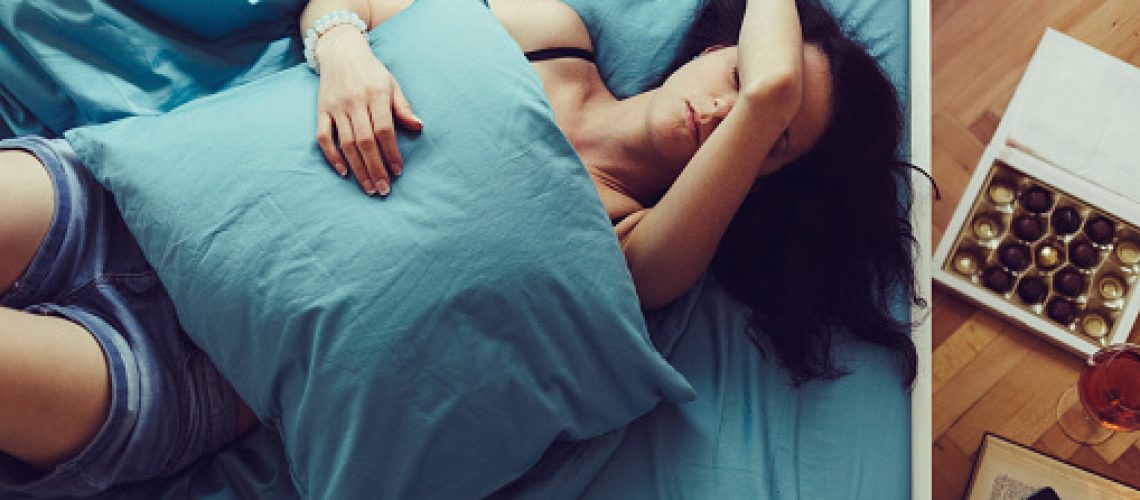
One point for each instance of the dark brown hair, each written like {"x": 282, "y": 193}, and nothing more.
{"x": 824, "y": 246}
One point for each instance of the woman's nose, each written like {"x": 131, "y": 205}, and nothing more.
{"x": 721, "y": 106}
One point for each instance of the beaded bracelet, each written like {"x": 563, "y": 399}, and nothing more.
{"x": 322, "y": 25}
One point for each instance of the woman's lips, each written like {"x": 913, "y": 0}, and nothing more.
{"x": 693, "y": 126}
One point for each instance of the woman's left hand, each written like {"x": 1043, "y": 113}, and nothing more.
{"x": 362, "y": 102}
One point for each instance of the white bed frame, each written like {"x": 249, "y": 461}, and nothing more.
{"x": 920, "y": 147}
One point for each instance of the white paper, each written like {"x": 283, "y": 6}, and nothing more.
{"x": 1080, "y": 111}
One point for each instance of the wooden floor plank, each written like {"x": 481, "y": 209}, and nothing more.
{"x": 960, "y": 350}
{"x": 975, "y": 380}
{"x": 949, "y": 311}
{"x": 953, "y": 474}
{"x": 1021, "y": 405}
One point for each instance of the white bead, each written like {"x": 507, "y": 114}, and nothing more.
{"x": 321, "y": 26}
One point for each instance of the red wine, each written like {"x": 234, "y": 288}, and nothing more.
{"x": 1110, "y": 387}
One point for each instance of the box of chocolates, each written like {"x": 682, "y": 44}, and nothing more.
{"x": 1048, "y": 230}
{"x": 1046, "y": 258}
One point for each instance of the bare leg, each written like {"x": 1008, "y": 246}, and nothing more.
{"x": 54, "y": 380}
{"x": 55, "y": 390}
{"x": 54, "y": 387}
{"x": 26, "y": 206}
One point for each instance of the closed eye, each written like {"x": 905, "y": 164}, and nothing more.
{"x": 783, "y": 143}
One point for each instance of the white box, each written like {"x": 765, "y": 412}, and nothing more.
{"x": 1073, "y": 126}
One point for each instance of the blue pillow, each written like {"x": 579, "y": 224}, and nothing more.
{"x": 636, "y": 41}
{"x": 211, "y": 19}
{"x": 428, "y": 345}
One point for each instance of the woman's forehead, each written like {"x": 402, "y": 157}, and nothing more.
{"x": 815, "y": 108}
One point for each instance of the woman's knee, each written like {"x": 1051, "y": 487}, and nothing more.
{"x": 55, "y": 388}
{"x": 27, "y": 203}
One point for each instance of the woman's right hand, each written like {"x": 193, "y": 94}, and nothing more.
{"x": 359, "y": 104}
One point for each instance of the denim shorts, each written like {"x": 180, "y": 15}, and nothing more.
{"x": 169, "y": 405}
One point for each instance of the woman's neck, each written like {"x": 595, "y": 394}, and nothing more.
{"x": 610, "y": 133}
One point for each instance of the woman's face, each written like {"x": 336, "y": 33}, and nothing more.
{"x": 706, "y": 88}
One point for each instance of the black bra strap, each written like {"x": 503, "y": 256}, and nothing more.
{"x": 559, "y": 52}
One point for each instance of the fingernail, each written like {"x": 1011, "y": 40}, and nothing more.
{"x": 397, "y": 169}
{"x": 369, "y": 188}
{"x": 418, "y": 120}
{"x": 342, "y": 171}
{"x": 384, "y": 188}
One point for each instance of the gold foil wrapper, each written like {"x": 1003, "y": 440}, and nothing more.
{"x": 1048, "y": 257}
{"x": 1111, "y": 288}
{"x": 966, "y": 263}
{"x": 1128, "y": 252}
{"x": 1001, "y": 193}
{"x": 1094, "y": 325}
{"x": 986, "y": 228}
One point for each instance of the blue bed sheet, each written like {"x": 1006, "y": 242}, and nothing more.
{"x": 749, "y": 434}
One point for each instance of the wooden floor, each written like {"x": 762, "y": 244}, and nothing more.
{"x": 990, "y": 375}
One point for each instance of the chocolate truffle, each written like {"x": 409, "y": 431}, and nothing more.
{"x": 1083, "y": 255}
{"x": 1069, "y": 282}
{"x": 1066, "y": 220}
{"x": 1037, "y": 200}
{"x": 1128, "y": 252}
{"x": 1027, "y": 227}
{"x": 1048, "y": 256}
{"x": 1100, "y": 230}
{"x": 1061, "y": 310}
{"x": 997, "y": 279}
{"x": 1032, "y": 290}
{"x": 1001, "y": 193}
{"x": 986, "y": 228}
{"x": 1014, "y": 256}
{"x": 1094, "y": 325}
{"x": 1111, "y": 288}
{"x": 966, "y": 263}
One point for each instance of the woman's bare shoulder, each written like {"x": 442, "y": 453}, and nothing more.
{"x": 542, "y": 24}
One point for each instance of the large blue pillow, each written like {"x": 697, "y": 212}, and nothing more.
{"x": 428, "y": 345}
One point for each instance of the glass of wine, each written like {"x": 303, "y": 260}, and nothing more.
{"x": 1106, "y": 399}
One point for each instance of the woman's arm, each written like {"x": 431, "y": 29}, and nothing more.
{"x": 359, "y": 102}
{"x": 669, "y": 245}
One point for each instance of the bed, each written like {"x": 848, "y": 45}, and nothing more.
{"x": 747, "y": 433}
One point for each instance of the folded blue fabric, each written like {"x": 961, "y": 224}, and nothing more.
{"x": 428, "y": 345}
{"x": 211, "y": 19}
{"x": 68, "y": 64}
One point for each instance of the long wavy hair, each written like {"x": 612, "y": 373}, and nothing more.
{"x": 824, "y": 245}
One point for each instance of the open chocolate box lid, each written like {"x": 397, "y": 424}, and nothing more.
{"x": 1048, "y": 230}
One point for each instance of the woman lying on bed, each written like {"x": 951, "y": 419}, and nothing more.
{"x": 781, "y": 148}
{"x": 770, "y": 150}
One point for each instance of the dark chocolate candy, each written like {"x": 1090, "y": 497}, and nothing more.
{"x": 1066, "y": 220}
{"x": 1061, "y": 310}
{"x": 1069, "y": 282}
{"x": 1100, "y": 230}
{"x": 1037, "y": 200}
{"x": 1032, "y": 290}
{"x": 997, "y": 279}
{"x": 1014, "y": 256}
{"x": 1028, "y": 228}
{"x": 1083, "y": 255}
